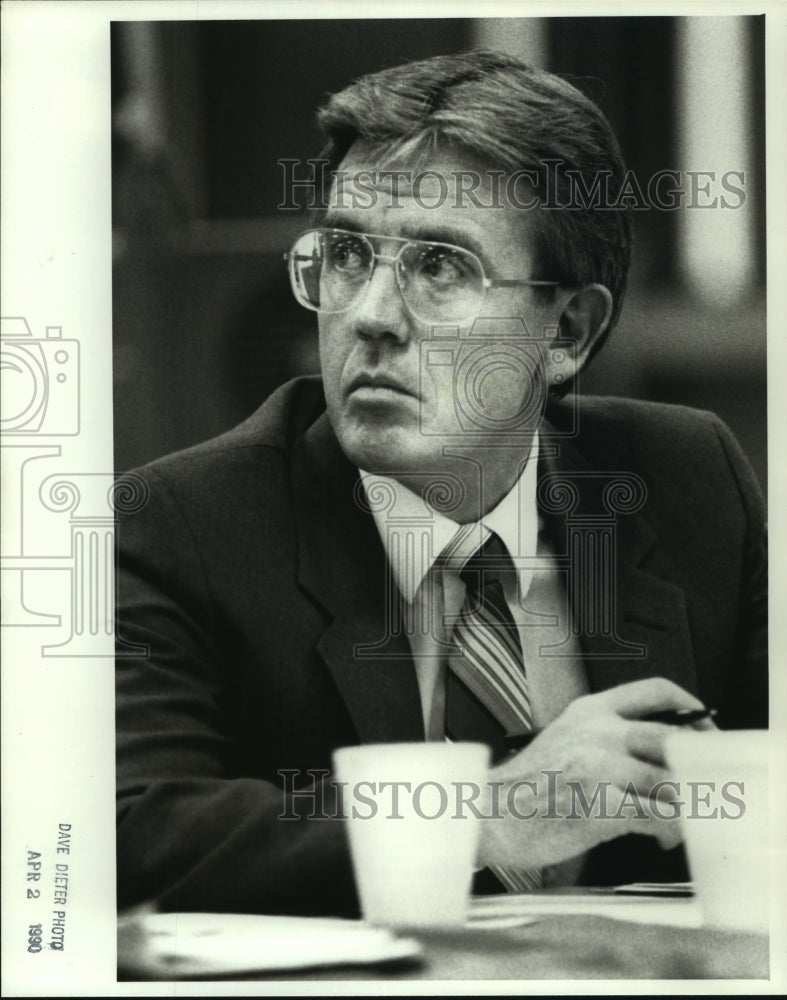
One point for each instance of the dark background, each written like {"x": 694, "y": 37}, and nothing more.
{"x": 205, "y": 326}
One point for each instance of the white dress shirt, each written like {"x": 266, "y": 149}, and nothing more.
{"x": 415, "y": 533}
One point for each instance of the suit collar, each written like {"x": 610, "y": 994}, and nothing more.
{"x": 571, "y": 488}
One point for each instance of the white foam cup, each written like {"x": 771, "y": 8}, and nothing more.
{"x": 412, "y": 813}
{"x": 723, "y": 779}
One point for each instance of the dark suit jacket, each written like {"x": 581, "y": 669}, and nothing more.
{"x": 251, "y": 574}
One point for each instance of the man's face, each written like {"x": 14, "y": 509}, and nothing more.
{"x": 393, "y": 401}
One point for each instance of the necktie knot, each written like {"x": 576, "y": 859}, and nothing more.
{"x": 466, "y": 542}
{"x": 473, "y": 549}
{"x": 486, "y": 564}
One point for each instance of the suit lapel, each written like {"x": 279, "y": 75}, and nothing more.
{"x": 645, "y": 633}
{"x": 342, "y": 565}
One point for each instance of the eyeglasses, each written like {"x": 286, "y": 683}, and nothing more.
{"x": 440, "y": 283}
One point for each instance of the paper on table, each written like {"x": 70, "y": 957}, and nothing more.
{"x": 177, "y": 945}
{"x": 510, "y": 910}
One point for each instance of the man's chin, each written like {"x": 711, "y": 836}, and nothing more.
{"x": 390, "y": 451}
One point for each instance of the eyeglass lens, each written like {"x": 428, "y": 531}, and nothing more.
{"x": 439, "y": 282}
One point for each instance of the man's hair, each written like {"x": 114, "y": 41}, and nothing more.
{"x": 513, "y": 117}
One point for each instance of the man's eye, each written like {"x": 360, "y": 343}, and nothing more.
{"x": 443, "y": 267}
{"x": 347, "y": 255}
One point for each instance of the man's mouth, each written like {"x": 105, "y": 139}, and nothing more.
{"x": 379, "y": 383}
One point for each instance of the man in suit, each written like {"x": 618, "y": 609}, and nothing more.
{"x": 298, "y": 583}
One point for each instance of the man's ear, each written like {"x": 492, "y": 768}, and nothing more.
{"x": 583, "y": 320}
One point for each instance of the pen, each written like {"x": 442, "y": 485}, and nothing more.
{"x": 672, "y": 717}
{"x": 681, "y": 716}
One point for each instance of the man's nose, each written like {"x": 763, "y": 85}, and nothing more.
{"x": 380, "y": 310}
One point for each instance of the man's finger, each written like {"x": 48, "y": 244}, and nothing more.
{"x": 654, "y": 694}
{"x": 629, "y": 772}
{"x": 706, "y": 725}
{"x": 645, "y": 740}
{"x": 669, "y": 834}
{"x": 626, "y": 813}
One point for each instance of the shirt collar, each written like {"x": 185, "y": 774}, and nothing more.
{"x": 414, "y": 534}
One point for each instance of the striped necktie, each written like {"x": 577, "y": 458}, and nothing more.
{"x": 486, "y": 684}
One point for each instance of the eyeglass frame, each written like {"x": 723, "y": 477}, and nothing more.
{"x": 486, "y": 283}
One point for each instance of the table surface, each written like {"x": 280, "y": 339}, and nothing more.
{"x": 563, "y": 938}
{"x": 576, "y": 947}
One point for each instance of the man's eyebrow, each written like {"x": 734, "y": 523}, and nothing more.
{"x": 338, "y": 220}
{"x": 429, "y": 232}
{"x": 446, "y": 234}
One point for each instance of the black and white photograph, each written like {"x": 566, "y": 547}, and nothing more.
{"x": 390, "y": 432}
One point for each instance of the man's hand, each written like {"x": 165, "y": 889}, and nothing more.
{"x": 590, "y": 776}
